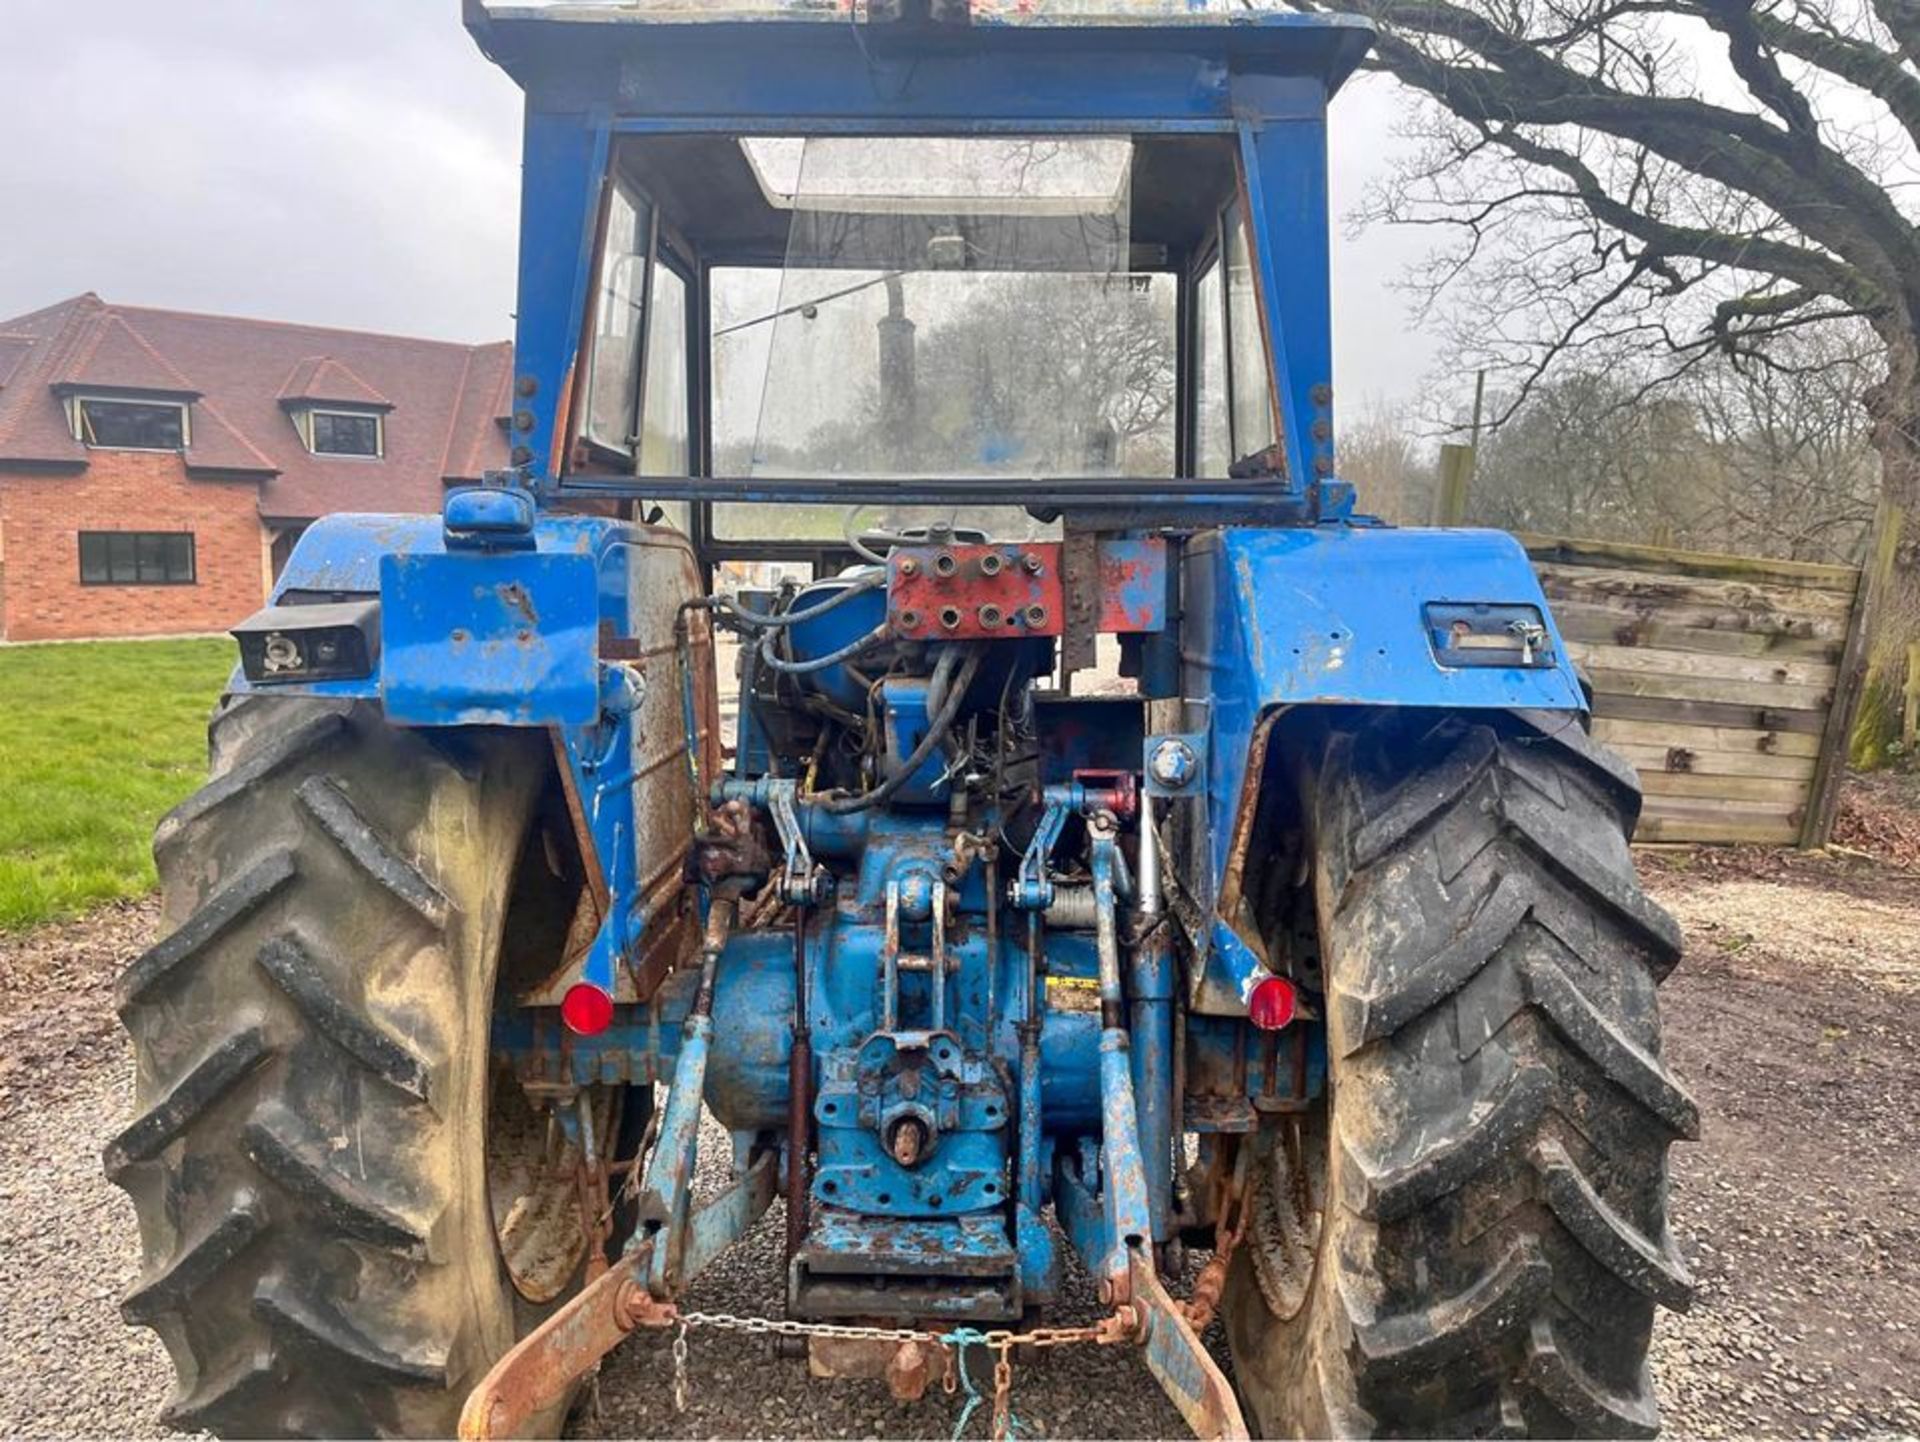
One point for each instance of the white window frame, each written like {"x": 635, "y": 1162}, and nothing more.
{"x": 303, "y": 423}
{"x": 76, "y": 422}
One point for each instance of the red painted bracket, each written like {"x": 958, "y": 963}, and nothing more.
{"x": 1016, "y": 590}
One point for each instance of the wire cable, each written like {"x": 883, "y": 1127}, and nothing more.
{"x": 937, "y": 732}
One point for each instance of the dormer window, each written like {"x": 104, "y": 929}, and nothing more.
{"x": 343, "y": 432}
{"x": 118, "y": 424}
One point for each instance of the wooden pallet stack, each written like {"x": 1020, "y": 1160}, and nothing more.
{"x": 1727, "y": 680}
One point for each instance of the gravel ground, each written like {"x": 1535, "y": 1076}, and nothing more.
{"x": 1794, "y": 1019}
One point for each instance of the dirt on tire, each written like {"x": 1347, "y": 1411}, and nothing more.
{"x": 1794, "y": 1019}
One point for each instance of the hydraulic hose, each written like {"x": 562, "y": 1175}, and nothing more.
{"x": 820, "y": 663}
{"x": 754, "y": 621}
{"x": 937, "y": 731}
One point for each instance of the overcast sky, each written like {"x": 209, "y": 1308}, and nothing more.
{"x": 355, "y": 163}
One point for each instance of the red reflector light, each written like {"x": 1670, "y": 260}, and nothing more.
{"x": 1273, "y": 1003}
{"x": 586, "y": 1010}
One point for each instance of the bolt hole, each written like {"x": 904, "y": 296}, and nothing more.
{"x": 991, "y": 1189}
{"x": 830, "y": 1188}
{"x": 950, "y": 618}
{"x": 831, "y": 1108}
{"x": 885, "y": 1199}
{"x": 936, "y": 1201}
{"x": 993, "y": 1111}
{"x": 945, "y": 564}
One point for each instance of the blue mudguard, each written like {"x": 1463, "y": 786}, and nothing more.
{"x": 1344, "y": 616}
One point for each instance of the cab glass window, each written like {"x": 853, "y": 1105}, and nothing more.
{"x": 613, "y": 374}
{"x": 664, "y": 440}
{"x": 1213, "y": 437}
{"x": 1247, "y": 344}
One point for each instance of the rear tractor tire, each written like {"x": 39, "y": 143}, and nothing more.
{"x": 347, "y": 1215}
{"x": 1471, "y": 1237}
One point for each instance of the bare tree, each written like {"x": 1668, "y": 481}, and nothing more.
{"x": 1769, "y": 460}
{"x": 1680, "y": 177}
{"x": 1787, "y": 467}
{"x": 1643, "y": 185}
{"x": 1382, "y": 454}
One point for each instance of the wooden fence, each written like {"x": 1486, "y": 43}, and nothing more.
{"x": 1729, "y": 681}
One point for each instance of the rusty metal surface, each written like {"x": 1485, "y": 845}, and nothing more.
{"x": 1179, "y": 1362}
{"x": 1080, "y": 568}
{"x": 662, "y": 574}
{"x": 539, "y": 1373}
{"x": 973, "y": 592}
{"x": 908, "y": 1368}
{"x": 981, "y": 592}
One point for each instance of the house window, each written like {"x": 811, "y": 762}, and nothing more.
{"x": 346, "y": 433}
{"x": 136, "y": 558}
{"x": 131, "y": 425}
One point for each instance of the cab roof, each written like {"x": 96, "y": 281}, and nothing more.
{"x": 544, "y": 44}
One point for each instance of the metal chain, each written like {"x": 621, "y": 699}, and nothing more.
{"x": 1038, "y": 1338}
{"x": 680, "y": 1388}
{"x": 953, "y": 1344}
{"x": 782, "y": 1327}
{"x": 1003, "y": 1420}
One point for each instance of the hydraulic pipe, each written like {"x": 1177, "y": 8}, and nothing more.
{"x": 1151, "y": 1004}
{"x": 665, "y": 1199}
{"x": 1129, "y": 1214}
{"x": 799, "y": 1094}
{"x": 1150, "y": 902}
{"x": 1030, "y": 1108}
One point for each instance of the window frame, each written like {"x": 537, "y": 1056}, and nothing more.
{"x": 134, "y": 540}
{"x": 77, "y": 420}
{"x": 623, "y": 459}
{"x": 310, "y": 433}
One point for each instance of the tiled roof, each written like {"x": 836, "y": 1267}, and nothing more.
{"x": 443, "y": 402}
{"x": 108, "y": 356}
{"x": 322, "y": 378}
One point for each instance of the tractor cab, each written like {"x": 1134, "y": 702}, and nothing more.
{"x": 921, "y": 696}
{"x": 1014, "y": 262}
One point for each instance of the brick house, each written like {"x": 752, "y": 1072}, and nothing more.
{"x": 156, "y": 466}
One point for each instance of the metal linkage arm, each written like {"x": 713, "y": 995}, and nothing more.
{"x": 1180, "y": 1362}
{"x": 802, "y": 882}
{"x": 538, "y": 1374}
{"x": 665, "y": 1196}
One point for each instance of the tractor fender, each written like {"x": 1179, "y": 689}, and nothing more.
{"x": 468, "y": 634}
{"x": 1350, "y": 616}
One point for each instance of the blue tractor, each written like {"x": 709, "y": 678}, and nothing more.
{"x": 922, "y": 699}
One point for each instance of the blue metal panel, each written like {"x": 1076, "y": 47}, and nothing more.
{"x": 1285, "y": 163}
{"x": 566, "y": 165}
{"x": 1335, "y": 615}
{"x": 503, "y": 638}
{"x": 793, "y": 74}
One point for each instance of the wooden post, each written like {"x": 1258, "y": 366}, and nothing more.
{"x": 1910, "y": 717}
{"x": 1823, "y": 802}
{"x": 1456, "y": 478}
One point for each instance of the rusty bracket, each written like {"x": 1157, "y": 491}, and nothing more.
{"x": 538, "y": 1374}
{"x": 1180, "y": 1363}
{"x": 1080, "y": 582}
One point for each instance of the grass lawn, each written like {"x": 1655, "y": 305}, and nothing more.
{"x": 96, "y": 743}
